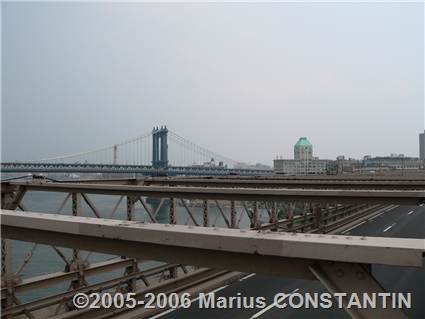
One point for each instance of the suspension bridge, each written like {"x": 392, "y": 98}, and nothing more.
{"x": 158, "y": 152}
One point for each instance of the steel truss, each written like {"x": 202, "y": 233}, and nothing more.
{"x": 314, "y": 211}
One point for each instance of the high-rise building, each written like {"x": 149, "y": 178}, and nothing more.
{"x": 422, "y": 146}
{"x": 303, "y": 150}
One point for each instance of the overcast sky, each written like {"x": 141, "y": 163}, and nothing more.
{"x": 244, "y": 80}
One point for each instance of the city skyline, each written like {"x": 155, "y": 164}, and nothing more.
{"x": 233, "y": 78}
{"x": 391, "y": 154}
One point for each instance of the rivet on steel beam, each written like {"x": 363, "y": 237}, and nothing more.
{"x": 360, "y": 275}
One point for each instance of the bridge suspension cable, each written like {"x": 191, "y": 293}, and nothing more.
{"x": 139, "y": 151}
{"x": 186, "y": 153}
{"x": 133, "y": 151}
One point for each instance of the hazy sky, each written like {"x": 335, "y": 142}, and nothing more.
{"x": 244, "y": 80}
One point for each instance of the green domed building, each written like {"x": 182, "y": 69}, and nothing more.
{"x": 303, "y": 149}
{"x": 303, "y": 163}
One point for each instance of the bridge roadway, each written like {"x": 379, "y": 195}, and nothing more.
{"x": 402, "y": 221}
{"x": 26, "y": 167}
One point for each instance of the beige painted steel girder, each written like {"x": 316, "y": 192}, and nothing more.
{"x": 405, "y": 197}
{"x": 127, "y": 235}
{"x": 285, "y": 183}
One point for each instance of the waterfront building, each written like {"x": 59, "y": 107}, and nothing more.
{"x": 303, "y": 163}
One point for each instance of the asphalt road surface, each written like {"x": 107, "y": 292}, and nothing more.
{"x": 401, "y": 221}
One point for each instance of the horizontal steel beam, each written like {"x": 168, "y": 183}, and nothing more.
{"x": 414, "y": 176}
{"x": 250, "y": 194}
{"x": 416, "y": 180}
{"x": 171, "y": 242}
{"x": 286, "y": 183}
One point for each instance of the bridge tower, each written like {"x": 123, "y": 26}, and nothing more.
{"x": 159, "y": 147}
{"x": 115, "y": 157}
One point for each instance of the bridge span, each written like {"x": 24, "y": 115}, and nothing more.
{"x": 160, "y": 152}
{"x": 35, "y": 167}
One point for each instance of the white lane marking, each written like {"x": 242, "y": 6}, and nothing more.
{"x": 389, "y": 227}
{"x": 248, "y": 276}
{"x": 372, "y": 218}
{"x": 192, "y": 300}
{"x": 411, "y": 212}
{"x": 421, "y": 205}
{"x": 346, "y": 231}
{"x": 385, "y": 211}
{"x": 218, "y": 289}
{"x": 211, "y": 292}
{"x": 256, "y": 315}
{"x": 163, "y": 313}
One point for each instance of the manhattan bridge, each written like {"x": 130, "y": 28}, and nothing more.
{"x": 158, "y": 152}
